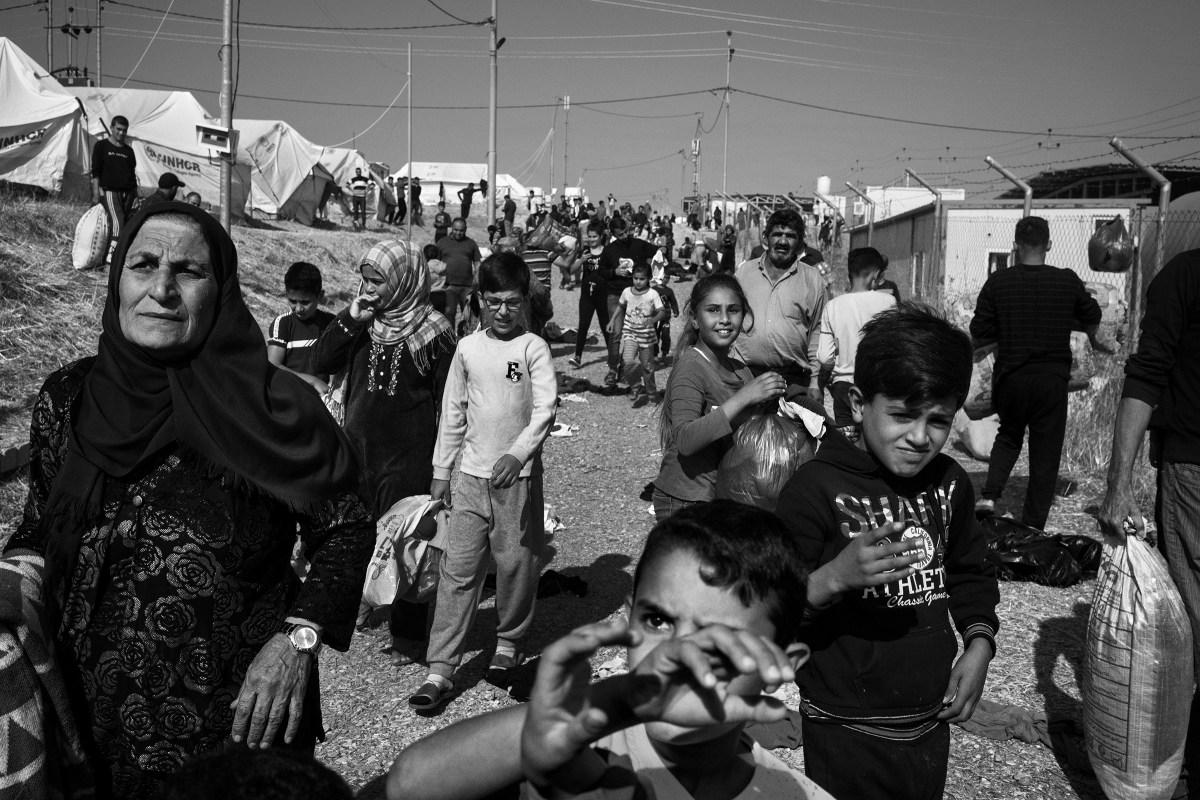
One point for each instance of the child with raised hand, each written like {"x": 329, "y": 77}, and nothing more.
{"x": 707, "y": 395}
{"x": 888, "y": 529}
{"x": 717, "y": 596}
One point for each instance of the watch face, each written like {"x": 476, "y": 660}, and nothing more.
{"x": 305, "y": 639}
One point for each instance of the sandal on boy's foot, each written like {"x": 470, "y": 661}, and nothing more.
{"x": 430, "y": 696}
{"x": 611, "y": 378}
{"x": 640, "y": 399}
{"x": 502, "y": 664}
{"x": 574, "y": 363}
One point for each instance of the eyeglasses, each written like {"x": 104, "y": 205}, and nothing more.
{"x": 512, "y": 306}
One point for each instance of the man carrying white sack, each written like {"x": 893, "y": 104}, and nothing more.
{"x": 1162, "y": 388}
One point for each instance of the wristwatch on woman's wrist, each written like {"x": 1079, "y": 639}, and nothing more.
{"x": 303, "y": 637}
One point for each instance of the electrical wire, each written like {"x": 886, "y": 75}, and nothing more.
{"x": 630, "y": 166}
{"x": 166, "y": 14}
{"x": 22, "y": 5}
{"x": 945, "y": 125}
{"x": 180, "y": 87}
{"x": 281, "y": 26}
{"x": 459, "y": 19}
{"x": 640, "y": 116}
{"x": 377, "y": 119}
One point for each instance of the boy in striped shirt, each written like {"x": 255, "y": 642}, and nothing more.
{"x": 293, "y": 334}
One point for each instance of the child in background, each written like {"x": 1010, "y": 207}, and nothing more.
{"x": 707, "y": 394}
{"x": 888, "y": 529}
{"x": 593, "y": 291}
{"x": 658, "y": 282}
{"x": 717, "y": 598}
{"x": 497, "y": 409}
{"x": 437, "y": 274}
{"x": 842, "y": 323}
{"x": 293, "y": 334}
{"x": 638, "y": 313}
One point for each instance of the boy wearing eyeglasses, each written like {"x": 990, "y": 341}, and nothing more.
{"x": 497, "y": 410}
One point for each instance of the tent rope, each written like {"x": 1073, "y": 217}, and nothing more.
{"x": 377, "y": 119}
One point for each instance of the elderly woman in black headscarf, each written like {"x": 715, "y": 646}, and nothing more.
{"x": 168, "y": 475}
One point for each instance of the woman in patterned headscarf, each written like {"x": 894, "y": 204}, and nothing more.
{"x": 389, "y": 353}
{"x": 168, "y": 475}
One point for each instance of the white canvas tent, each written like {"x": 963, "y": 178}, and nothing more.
{"x": 282, "y": 161}
{"x": 41, "y": 140}
{"x": 162, "y": 133}
{"x": 454, "y": 176}
{"x": 291, "y": 175}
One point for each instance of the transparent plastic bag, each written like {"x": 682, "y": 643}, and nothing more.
{"x": 1138, "y": 666}
{"x": 767, "y": 448}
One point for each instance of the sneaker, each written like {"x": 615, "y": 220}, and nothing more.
{"x": 574, "y": 362}
{"x": 985, "y": 507}
{"x": 611, "y": 378}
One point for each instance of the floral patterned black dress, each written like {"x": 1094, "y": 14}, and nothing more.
{"x": 177, "y": 585}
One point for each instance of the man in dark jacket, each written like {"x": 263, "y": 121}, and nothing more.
{"x": 1029, "y": 311}
{"x": 1162, "y": 387}
{"x": 616, "y": 268}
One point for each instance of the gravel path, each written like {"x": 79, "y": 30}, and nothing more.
{"x": 592, "y": 481}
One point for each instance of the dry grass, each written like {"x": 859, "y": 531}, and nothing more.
{"x": 592, "y": 480}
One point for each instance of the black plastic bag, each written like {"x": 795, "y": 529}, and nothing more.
{"x": 1111, "y": 248}
{"x": 1024, "y": 553}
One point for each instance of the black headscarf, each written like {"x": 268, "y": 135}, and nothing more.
{"x": 225, "y": 403}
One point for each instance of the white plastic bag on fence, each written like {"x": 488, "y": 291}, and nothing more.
{"x": 1137, "y": 676}
{"x": 405, "y": 564}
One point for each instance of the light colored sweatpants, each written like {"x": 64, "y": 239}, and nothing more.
{"x": 506, "y": 524}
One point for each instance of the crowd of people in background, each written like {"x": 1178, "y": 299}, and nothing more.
{"x": 182, "y": 475}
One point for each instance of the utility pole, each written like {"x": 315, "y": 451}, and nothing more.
{"x": 49, "y": 37}
{"x": 566, "y": 140}
{"x": 408, "y": 188}
{"x": 227, "y": 114}
{"x": 489, "y": 198}
{"x": 553, "y": 130}
{"x": 725, "y": 156}
{"x": 99, "y": 43}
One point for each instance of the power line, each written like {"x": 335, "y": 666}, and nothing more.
{"x": 639, "y": 116}
{"x": 945, "y": 125}
{"x": 281, "y": 26}
{"x": 459, "y": 19}
{"x": 150, "y": 43}
{"x": 630, "y": 166}
{"x": 178, "y": 87}
{"x": 22, "y": 5}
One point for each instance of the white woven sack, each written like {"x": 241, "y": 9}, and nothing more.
{"x": 1137, "y": 675}
{"x": 91, "y": 238}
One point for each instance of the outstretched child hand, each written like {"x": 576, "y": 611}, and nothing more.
{"x": 869, "y": 560}
{"x": 966, "y": 682}
{"x": 714, "y": 676}
{"x": 562, "y": 717}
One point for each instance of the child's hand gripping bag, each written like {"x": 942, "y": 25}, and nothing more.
{"x": 1137, "y": 676}
{"x": 767, "y": 448}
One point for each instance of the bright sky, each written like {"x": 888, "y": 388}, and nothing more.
{"x": 1019, "y": 69}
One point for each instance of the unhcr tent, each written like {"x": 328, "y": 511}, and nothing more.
{"x": 41, "y": 141}
{"x": 162, "y": 133}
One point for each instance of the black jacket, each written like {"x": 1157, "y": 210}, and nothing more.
{"x": 883, "y": 656}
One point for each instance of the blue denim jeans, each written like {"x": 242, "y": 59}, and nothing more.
{"x": 665, "y": 505}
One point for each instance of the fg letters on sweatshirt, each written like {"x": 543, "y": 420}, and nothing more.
{"x": 882, "y": 655}
{"x": 499, "y": 400}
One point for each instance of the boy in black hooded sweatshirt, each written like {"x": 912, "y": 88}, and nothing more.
{"x": 889, "y": 531}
